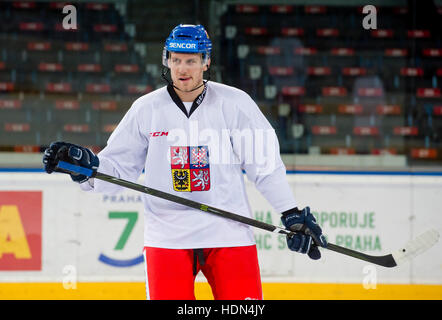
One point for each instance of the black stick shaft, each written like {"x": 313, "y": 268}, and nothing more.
{"x": 191, "y": 203}
{"x": 385, "y": 261}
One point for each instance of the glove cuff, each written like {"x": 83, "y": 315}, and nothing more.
{"x": 94, "y": 161}
{"x": 291, "y": 211}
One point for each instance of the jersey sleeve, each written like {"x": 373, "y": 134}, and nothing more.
{"x": 124, "y": 155}
{"x": 256, "y": 146}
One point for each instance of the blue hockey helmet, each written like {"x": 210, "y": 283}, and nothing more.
{"x": 188, "y": 38}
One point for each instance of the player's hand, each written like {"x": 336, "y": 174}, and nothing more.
{"x": 309, "y": 235}
{"x": 71, "y": 153}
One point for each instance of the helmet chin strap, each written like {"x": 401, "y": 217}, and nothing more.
{"x": 164, "y": 73}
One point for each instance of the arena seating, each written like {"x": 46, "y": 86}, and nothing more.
{"x": 319, "y": 77}
{"x": 72, "y": 85}
{"x": 348, "y": 90}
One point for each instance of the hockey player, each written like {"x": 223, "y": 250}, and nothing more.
{"x": 194, "y": 138}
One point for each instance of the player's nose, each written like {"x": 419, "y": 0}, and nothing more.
{"x": 182, "y": 71}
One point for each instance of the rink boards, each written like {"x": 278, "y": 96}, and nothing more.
{"x": 57, "y": 241}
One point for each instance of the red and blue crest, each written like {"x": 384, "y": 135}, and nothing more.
{"x": 190, "y": 168}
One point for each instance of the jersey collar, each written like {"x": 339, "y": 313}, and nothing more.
{"x": 180, "y": 104}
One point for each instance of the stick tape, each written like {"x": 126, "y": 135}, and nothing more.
{"x": 75, "y": 169}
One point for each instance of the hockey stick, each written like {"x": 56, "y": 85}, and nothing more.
{"x": 409, "y": 251}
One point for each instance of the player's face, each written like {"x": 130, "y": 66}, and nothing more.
{"x": 186, "y": 70}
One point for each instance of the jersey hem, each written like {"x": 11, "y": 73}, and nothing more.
{"x": 200, "y": 246}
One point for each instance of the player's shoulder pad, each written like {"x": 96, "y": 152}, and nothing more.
{"x": 235, "y": 95}
{"x": 149, "y": 98}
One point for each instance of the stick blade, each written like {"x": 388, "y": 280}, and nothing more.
{"x": 416, "y": 246}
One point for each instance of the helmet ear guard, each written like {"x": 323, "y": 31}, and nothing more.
{"x": 165, "y": 57}
{"x": 206, "y": 58}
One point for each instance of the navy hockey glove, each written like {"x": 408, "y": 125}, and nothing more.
{"x": 309, "y": 235}
{"x": 71, "y": 153}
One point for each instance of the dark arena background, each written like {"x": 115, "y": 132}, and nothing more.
{"x": 352, "y": 89}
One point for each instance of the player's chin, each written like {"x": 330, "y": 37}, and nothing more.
{"x": 186, "y": 86}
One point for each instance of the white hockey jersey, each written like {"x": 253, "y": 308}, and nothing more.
{"x": 199, "y": 155}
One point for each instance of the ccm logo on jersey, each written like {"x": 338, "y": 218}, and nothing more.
{"x": 158, "y": 134}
